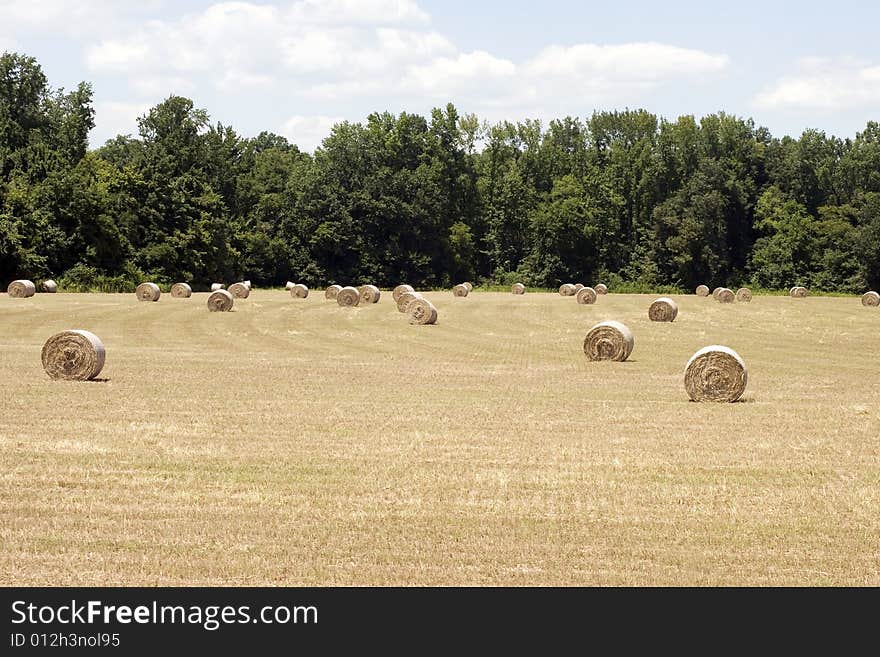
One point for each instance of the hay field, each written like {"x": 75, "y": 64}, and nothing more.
{"x": 295, "y": 442}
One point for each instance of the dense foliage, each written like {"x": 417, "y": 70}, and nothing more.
{"x": 621, "y": 196}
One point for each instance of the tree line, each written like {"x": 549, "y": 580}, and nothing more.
{"x": 625, "y": 197}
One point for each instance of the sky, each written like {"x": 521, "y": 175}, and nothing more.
{"x": 298, "y": 67}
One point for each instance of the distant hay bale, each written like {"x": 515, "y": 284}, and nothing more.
{"x": 663, "y": 309}
{"x": 181, "y": 291}
{"x": 578, "y": 287}
{"x": 217, "y": 286}
{"x": 469, "y": 286}
{"x": 332, "y": 291}
{"x": 239, "y": 291}
{"x": 702, "y": 291}
{"x": 799, "y": 292}
{"x": 148, "y": 292}
{"x": 715, "y": 292}
{"x": 404, "y": 300}
{"x": 609, "y": 341}
{"x": 601, "y": 288}
{"x": 400, "y": 289}
{"x": 74, "y": 355}
{"x": 21, "y": 289}
{"x": 369, "y": 294}
{"x": 715, "y": 373}
{"x": 744, "y": 295}
{"x": 421, "y": 311}
{"x": 220, "y": 301}
{"x": 460, "y": 290}
{"x": 299, "y": 291}
{"x": 725, "y": 295}
{"x": 289, "y": 285}
{"x": 586, "y": 295}
{"x": 247, "y": 284}
{"x": 518, "y": 288}
{"x": 871, "y": 299}
{"x": 348, "y": 297}
{"x": 49, "y": 286}
{"x": 567, "y": 290}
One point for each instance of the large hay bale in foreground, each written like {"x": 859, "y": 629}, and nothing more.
{"x": 798, "y": 292}
{"x": 702, "y": 291}
{"x": 715, "y": 373}
{"x": 609, "y": 340}
{"x": 74, "y": 355}
{"x": 369, "y": 294}
{"x": 239, "y": 290}
{"x": 148, "y": 292}
{"x": 404, "y": 300}
{"x": 871, "y": 299}
{"x": 518, "y": 288}
{"x": 460, "y": 290}
{"x": 586, "y": 295}
{"x": 181, "y": 291}
{"x": 21, "y": 289}
{"x": 332, "y": 291}
{"x": 744, "y": 295}
{"x": 348, "y": 297}
{"x": 725, "y": 295}
{"x": 601, "y": 288}
{"x": 299, "y": 291}
{"x": 567, "y": 290}
{"x": 217, "y": 286}
{"x": 663, "y": 309}
{"x": 421, "y": 311}
{"x": 220, "y": 301}
{"x": 289, "y": 285}
{"x": 49, "y": 286}
{"x": 400, "y": 289}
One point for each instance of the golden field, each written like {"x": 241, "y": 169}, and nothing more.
{"x": 294, "y": 442}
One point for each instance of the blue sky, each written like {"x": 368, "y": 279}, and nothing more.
{"x": 297, "y": 67}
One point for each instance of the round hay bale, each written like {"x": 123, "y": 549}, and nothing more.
{"x": 421, "y": 311}
{"x": 181, "y": 291}
{"x": 601, "y": 288}
{"x": 239, "y": 291}
{"x": 400, "y": 289}
{"x": 332, "y": 291}
{"x": 715, "y": 292}
{"x": 148, "y": 292}
{"x": 49, "y": 286}
{"x": 871, "y": 299}
{"x": 217, "y": 286}
{"x": 300, "y": 291}
{"x": 289, "y": 285}
{"x": 369, "y": 294}
{"x": 21, "y": 289}
{"x": 725, "y": 295}
{"x": 744, "y": 295}
{"x": 702, "y": 291}
{"x": 247, "y": 284}
{"x": 75, "y": 355}
{"x": 663, "y": 309}
{"x": 469, "y": 286}
{"x": 609, "y": 341}
{"x": 460, "y": 290}
{"x": 799, "y": 292}
{"x": 348, "y": 297}
{"x": 567, "y": 290}
{"x": 404, "y": 300}
{"x": 220, "y": 301}
{"x": 518, "y": 288}
{"x": 715, "y": 373}
{"x": 586, "y": 295}
{"x": 578, "y": 287}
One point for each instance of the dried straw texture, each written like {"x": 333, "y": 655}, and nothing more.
{"x": 586, "y": 295}
{"x": 421, "y": 311}
{"x": 73, "y": 356}
{"x": 744, "y": 295}
{"x": 518, "y": 288}
{"x": 181, "y": 291}
{"x": 348, "y": 297}
{"x": 148, "y": 292}
{"x": 578, "y": 287}
{"x": 663, "y": 309}
{"x": 609, "y": 341}
{"x": 460, "y": 291}
{"x": 289, "y": 285}
{"x": 799, "y": 292}
{"x": 715, "y": 373}
{"x": 601, "y": 288}
{"x": 299, "y": 291}
{"x": 725, "y": 295}
{"x": 21, "y": 289}
{"x": 469, "y": 286}
{"x": 404, "y": 300}
{"x": 49, "y": 286}
{"x": 702, "y": 291}
{"x": 239, "y": 291}
{"x": 217, "y": 286}
{"x": 332, "y": 291}
{"x": 715, "y": 292}
{"x": 400, "y": 289}
{"x": 220, "y": 301}
{"x": 567, "y": 290}
{"x": 871, "y": 299}
{"x": 369, "y": 294}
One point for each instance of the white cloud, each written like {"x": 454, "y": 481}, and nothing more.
{"x": 115, "y": 118}
{"x": 386, "y": 12}
{"x": 78, "y": 19}
{"x": 307, "y": 132}
{"x": 825, "y": 85}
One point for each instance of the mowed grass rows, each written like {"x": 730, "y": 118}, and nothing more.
{"x": 295, "y": 442}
